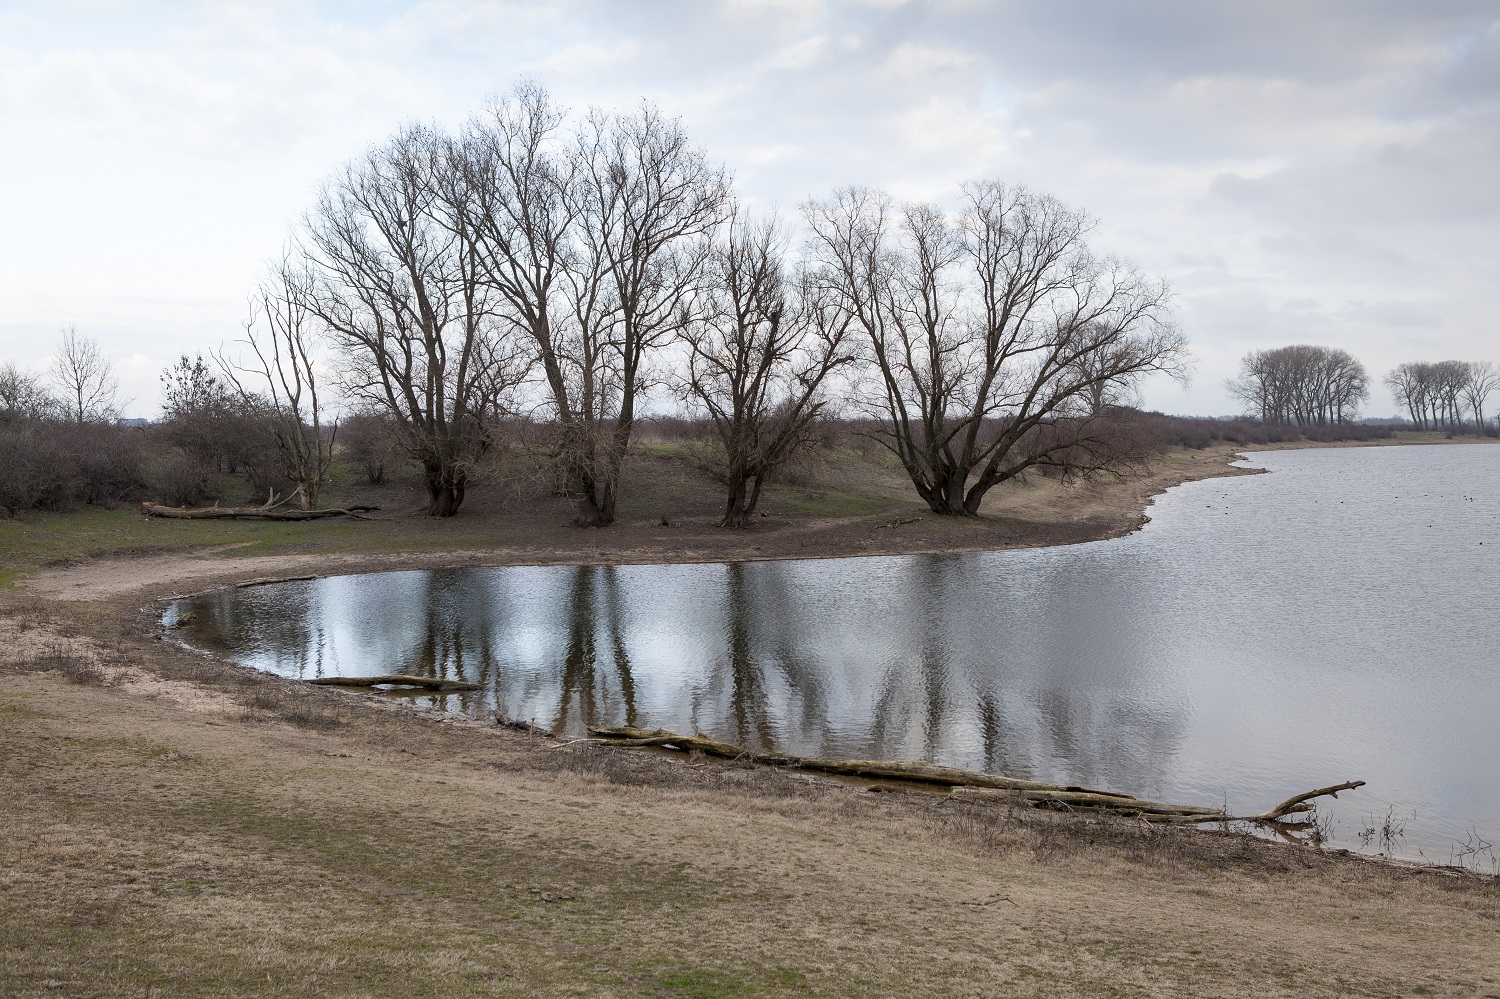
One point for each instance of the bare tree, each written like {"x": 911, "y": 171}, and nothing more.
{"x": 978, "y": 327}
{"x": 85, "y": 379}
{"x": 594, "y": 241}
{"x": 1483, "y": 379}
{"x": 760, "y": 349}
{"x": 1408, "y": 383}
{"x": 1302, "y": 384}
{"x": 1434, "y": 393}
{"x": 1106, "y": 390}
{"x": 23, "y": 395}
{"x": 286, "y": 363}
{"x": 210, "y": 423}
{"x": 397, "y": 285}
{"x": 1449, "y": 379}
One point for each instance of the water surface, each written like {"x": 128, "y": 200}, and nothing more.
{"x": 1263, "y": 635}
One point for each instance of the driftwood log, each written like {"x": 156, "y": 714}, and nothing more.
{"x": 272, "y": 509}
{"x": 968, "y": 783}
{"x": 250, "y": 512}
{"x": 394, "y": 680}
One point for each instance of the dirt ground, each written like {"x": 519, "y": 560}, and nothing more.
{"x": 173, "y": 825}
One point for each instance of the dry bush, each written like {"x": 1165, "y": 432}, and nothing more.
{"x": 1051, "y": 837}
{"x": 611, "y": 765}
{"x": 28, "y": 615}
{"x": 184, "y": 480}
{"x": 74, "y": 664}
{"x": 1201, "y": 432}
{"x": 52, "y": 465}
{"x": 266, "y": 703}
{"x": 370, "y": 439}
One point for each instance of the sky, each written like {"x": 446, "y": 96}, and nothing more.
{"x": 1301, "y": 172}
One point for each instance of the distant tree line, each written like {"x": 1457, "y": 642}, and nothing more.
{"x": 1306, "y": 386}
{"x": 1437, "y": 394}
{"x": 1302, "y": 385}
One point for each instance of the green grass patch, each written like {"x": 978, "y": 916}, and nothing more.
{"x": 40, "y": 539}
{"x": 827, "y": 502}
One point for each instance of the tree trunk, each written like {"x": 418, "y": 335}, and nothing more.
{"x": 589, "y": 513}
{"x": 735, "y": 512}
{"x": 947, "y": 497}
{"x": 445, "y": 491}
{"x": 584, "y": 490}
{"x": 744, "y": 496}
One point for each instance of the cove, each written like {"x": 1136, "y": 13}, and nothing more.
{"x": 1334, "y": 619}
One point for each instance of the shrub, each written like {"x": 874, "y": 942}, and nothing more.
{"x": 52, "y": 465}
{"x": 183, "y": 479}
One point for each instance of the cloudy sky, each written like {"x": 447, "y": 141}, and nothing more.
{"x": 1319, "y": 172}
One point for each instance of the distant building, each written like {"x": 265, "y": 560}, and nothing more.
{"x": 134, "y": 421}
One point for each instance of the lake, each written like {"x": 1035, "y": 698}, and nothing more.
{"x": 1263, "y": 635}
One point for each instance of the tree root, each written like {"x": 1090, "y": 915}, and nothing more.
{"x": 971, "y": 784}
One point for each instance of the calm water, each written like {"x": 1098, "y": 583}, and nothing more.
{"x": 1262, "y": 636}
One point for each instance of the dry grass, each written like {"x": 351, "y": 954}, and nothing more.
{"x": 270, "y": 702}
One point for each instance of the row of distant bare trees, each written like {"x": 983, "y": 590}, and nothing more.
{"x": 1301, "y": 385}
{"x": 1436, "y": 394}
{"x": 1304, "y": 385}
{"x": 532, "y": 264}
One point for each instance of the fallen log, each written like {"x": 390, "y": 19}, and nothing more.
{"x": 394, "y": 680}
{"x": 268, "y": 580}
{"x": 1302, "y": 802}
{"x": 251, "y": 512}
{"x": 971, "y": 784}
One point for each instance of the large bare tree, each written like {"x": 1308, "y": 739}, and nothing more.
{"x": 397, "y": 283}
{"x": 990, "y": 332}
{"x": 761, "y": 346}
{"x": 84, "y": 378}
{"x": 593, "y": 237}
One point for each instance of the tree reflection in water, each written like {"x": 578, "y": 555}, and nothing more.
{"x": 948, "y": 658}
{"x": 1270, "y": 633}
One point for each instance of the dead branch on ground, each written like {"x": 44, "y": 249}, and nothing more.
{"x": 270, "y": 510}
{"x": 971, "y": 784}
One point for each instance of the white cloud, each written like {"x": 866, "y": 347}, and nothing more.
{"x": 1317, "y": 172}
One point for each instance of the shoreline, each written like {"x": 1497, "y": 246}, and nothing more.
{"x": 1116, "y": 508}
{"x": 1032, "y": 514}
